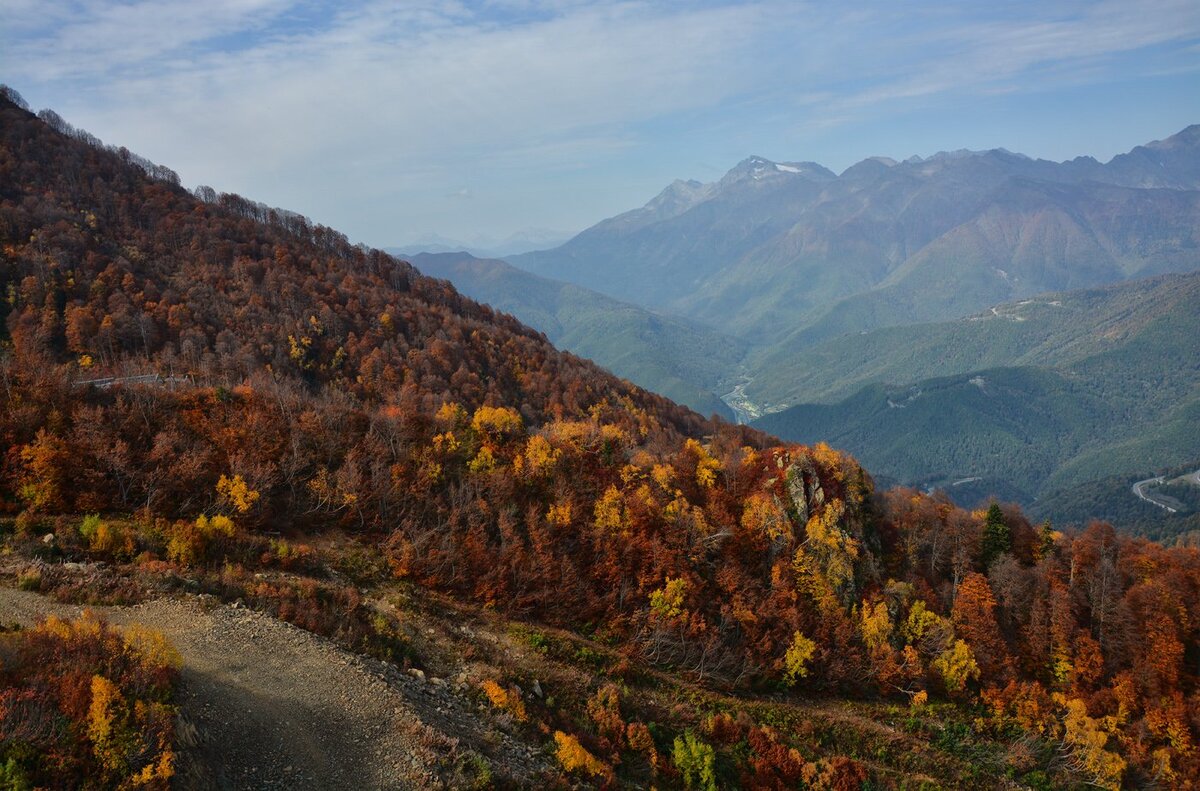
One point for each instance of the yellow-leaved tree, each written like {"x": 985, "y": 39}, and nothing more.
{"x": 876, "y": 625}
{"x": 667, "y": 601}
{"x": 957, "y": 666}
{"x": 237, "y": 493}
{"x": 706, "y": 466}
{"x": 1085, "y": 741}
{"x": 799, "y": 654}
{"x": 824, "y": 563}
{"x": 575, "y": 758}
{"x": 608, "y": 510}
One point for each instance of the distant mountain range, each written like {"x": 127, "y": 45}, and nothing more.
{"x": 975, "y": 320}
{"x": 791, "y": 252}
{"x": 483, "y": 246}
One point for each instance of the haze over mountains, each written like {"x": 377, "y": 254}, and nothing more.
{"x": 777, "y": 251}
{"x": 848, "y": 293}
{"x": 483, "y": 246}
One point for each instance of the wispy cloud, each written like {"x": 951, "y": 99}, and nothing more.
{"x": 96, "y": 39}
{"x": 349, "y": 111}
{"x": 970, "y": 55}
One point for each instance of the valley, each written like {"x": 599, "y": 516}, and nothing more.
{"x": 744, "y": 410}
{"x": 897, "y": 275}
{"x": 681, "y": 359}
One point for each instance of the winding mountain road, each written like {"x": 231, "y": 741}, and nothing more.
{"x": 1139, "y": 489}
{"x": 1163, "y": 501}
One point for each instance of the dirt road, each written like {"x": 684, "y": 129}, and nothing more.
{"x": 266, "y": 705}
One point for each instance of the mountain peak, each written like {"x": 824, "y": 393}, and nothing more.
{"x": 678, "y": 197}
{"x": 758, "y": 168}
{"x": 1170, "y": 163}
{"x": 961, "y": 153}
{"x": 871, "y": 167}
{"x": 1186, "y": 137}
{"x": 752, "y": 164}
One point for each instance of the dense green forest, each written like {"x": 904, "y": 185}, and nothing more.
{"x": 1055, "y": 330}
{"x": 1098, "y": 385}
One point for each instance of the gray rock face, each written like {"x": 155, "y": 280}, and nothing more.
{"x": 804, "y": 488}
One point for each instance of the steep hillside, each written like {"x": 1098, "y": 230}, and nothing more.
{"x": 776, "y": 251}
{"x": 688, "y": 363}
{"x": 1029, "y": 238}
{"x": 182, "y": 355}
{"x": 204, "y": 394}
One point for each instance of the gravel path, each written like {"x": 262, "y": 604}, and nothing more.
{"x": 266, "y": 705}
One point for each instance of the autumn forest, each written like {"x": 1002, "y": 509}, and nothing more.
{"x": 202, "y": 371}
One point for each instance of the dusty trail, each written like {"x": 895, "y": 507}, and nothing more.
{"x": 266, "y": 705}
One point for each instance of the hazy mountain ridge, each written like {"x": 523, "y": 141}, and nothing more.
{"x": 776, "y": 251}
{"x": 652, "y": 257}
{"x": 1032, "y": 237}
{"x": 483, "y": 246}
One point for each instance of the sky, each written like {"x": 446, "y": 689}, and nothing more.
{"x": 397, "y": 121}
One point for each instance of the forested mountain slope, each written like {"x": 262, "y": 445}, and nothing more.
{"x": 287, "y": 381}
{"x": 686, "y": 362}
{"x": 828, "y": 279}
{"x": 1046, "y": 395}
{"x": 1049, "y": 330}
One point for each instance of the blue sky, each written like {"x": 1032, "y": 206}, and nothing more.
{"x": 393, "y": 121}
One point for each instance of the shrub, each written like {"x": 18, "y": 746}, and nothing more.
{"x": 505, "y": 699}
{"x": 190, "y": 541}
{"x": 85, "y": 705}
{"x": 575, "y": 758}
{"x": 29, "y": 581}
{"x": 696, "y": 761}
